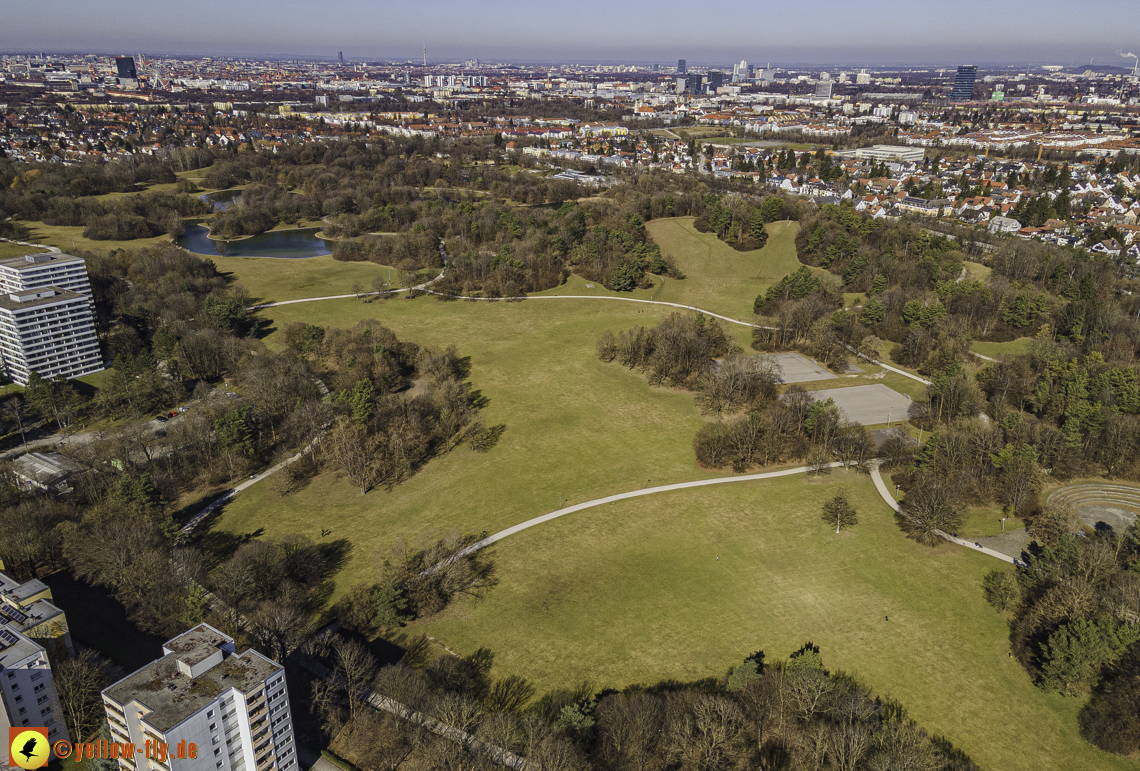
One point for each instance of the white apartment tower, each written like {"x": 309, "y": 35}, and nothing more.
{"x": 43, "y": 270}
{"x": 49, "y": 331}
{"x": 26, "y": 685}
{"x": 233, "y": 708}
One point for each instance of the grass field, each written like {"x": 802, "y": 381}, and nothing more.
{"x": 269, "y": 279}
{"x": 633, "y": 592}
{"x": 8, "y": 249}
{"x": 1021, "y": 345}
{"x": 71, "y": 239}
{"x": 719, "y": 278}
{"x": 976, "y": 271}
{"x": 575, "y": 426}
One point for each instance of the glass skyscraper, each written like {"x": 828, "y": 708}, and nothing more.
{"x": 964, "y": 84}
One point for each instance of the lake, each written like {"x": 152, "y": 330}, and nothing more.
{"x": 221, "y": 200}
{"x": 283, "y": 244}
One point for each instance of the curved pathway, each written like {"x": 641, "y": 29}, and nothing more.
{"x": 624, "y": 496}
{"x": 881, "y": 486}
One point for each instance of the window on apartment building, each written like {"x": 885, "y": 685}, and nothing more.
{"x": 39, "y": 687}
{"x": 23, "y": 710}
{"x": 210, "y": 714}
{"x": 18, "y": 698}
{"x": 45, "y": 710}
{"x": 218, "y": 764}
{"x": 11, "y": 675}
{"x": 217, "y": 752}
{"x": 37, "y": 676}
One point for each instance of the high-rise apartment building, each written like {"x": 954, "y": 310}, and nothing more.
{"x": 40, "y": 271}
{"x": 27, "y": 622}
{"x": 48, "y": 331}
{"x": 233, "y": 707}
{"x": 682, "y": 67}
{"x": 823, "y": 89}
{"x": 46, "y": 320}
{"x": 964, "y": 84}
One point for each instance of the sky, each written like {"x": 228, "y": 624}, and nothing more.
{"x": 819, "y": 32}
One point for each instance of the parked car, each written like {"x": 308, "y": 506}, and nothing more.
{"x": 162, "y": 418}
{"x": 173, "y": 414}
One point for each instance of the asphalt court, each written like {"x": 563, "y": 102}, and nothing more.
{"x": 868, "y": 404}
{"x": 799, "y": 369}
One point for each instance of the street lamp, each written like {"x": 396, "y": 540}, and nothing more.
{"x": 896, "y": 492}
{"x": 889, "y": 411}
{"x": 1003, "y": 524}
{"x": 646, "y": 483}
{"x": 560, "y": 501}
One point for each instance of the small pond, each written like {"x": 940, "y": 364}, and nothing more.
{"x": 284, "y": 244}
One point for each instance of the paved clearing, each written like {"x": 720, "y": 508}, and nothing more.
{"x": 799, "y": 369}
{"x": 869, "y": 404}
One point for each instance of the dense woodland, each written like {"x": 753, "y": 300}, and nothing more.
{"x": 792, "y": 714}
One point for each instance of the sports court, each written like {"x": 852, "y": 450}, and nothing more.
{"x": 868, "y": 404}
{"x": 799, "y": 369}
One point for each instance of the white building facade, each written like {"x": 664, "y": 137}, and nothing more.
{"x": 40, "y": 271}
{"x": 49, "y": 331}
{"x": 233, "y": 708}
{"x": 26, "y": 685}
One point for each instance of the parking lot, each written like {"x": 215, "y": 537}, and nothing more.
{"x": 868, "y": 404}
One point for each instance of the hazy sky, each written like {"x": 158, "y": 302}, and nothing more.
{"x": 720, "y": 31}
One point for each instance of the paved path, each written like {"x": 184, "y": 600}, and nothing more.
{"x": 881, "y": 486}
{"x": 625, "y": 496}
{"x": 212, "y": 506}
{"x": 54, "y": 249}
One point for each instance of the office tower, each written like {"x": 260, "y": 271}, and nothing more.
{"x": 656, "y": 67}
{"x": 234, "y": 707}
{"x": 682, "y": 67}
{"x": 693, "y": 83}
{"x": 964, "y": 84}
{"x": 823, "y": 89}
{"x": 125, "y": 68}
{"x": 340, "y": 57}
{"x": 716, "y": 80}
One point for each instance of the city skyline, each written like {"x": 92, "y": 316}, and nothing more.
{"x": 836, "y": 34}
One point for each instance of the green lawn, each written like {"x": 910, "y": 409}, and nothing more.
{"x": 575, "y": 426}
{"x": 1021, "y": 345}
{"x": 633, "y": 593}
{"x": 719, "y": 278}
{"x": 71, "y": 239}
{"x": 976, "y": 271}
{"x": 269, "y": 279}
{"x": 8, "y": 250}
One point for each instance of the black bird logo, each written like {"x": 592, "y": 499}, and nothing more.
{"x": 29, "y": 745}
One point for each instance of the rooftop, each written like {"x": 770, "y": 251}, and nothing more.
{"x": 171, "y": 696}
{"x": 38, "y": 260}
{"x": 47, "y": 296}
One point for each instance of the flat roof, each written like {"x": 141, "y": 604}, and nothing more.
{"x": 61, "y": 295}
{"x": 21, "y": 262}
{"x": 171, "y": 696}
